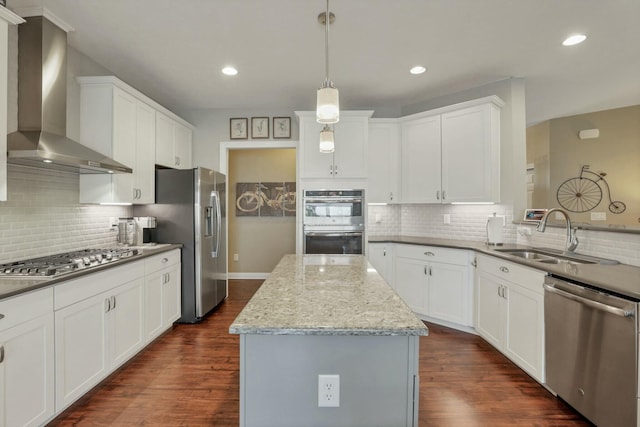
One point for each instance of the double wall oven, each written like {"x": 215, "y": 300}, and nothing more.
{"x": 333, "y": 221}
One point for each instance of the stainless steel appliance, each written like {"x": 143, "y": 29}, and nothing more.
{"x": 144, "y": 225}
{"x": 59, "y": 264}
{"x": 42, "y": 106}
{"x": 333, "y": 221}
{"x": 591, "y": 340}
{"x": 190, "y": 209}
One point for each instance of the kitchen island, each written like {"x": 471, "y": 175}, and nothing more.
{"x": 327, "y": 315}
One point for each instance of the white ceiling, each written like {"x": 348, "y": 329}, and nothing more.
{"x": 173, "y": 50}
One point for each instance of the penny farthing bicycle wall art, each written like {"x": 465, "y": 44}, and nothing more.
{"x": 584, "y": 192}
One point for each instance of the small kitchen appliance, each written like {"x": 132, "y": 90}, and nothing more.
{"x": 495, "y": 230}
{"x": 144, "y": 225}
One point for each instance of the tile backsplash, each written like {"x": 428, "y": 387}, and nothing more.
{"x": 468, "y": 222}
{"x": 42, "y": 216}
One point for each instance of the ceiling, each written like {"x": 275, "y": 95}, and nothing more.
{"x": 173, "y": 50}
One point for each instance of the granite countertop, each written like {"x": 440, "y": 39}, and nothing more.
{"x": 10, "y": 287}
{"x": 326, "y": 295}
{"x": 622, "y": 279}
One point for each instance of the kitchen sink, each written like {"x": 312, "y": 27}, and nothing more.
{"x": 553, "y": 258}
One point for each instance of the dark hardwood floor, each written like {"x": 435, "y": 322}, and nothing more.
{"x": 189, "y": 377}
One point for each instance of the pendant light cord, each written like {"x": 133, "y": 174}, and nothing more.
{"x": 327, "y": 19}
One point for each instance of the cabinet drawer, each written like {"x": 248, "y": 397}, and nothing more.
{"x": 524, "y": 276}
{"x": 25, "y": 307}
{"x": 160, "y": 261}
{"x": 433, "y": 253}
{"x": 84, "y": 287}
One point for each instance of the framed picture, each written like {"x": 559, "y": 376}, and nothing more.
{"x": 238, "y": 128}
{"x": 259, "y": 127}
{"x": 282, "y": 127}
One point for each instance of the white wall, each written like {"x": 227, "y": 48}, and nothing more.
{"x": 212, "y": 128}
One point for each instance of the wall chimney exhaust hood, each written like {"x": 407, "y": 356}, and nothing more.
{"x": 42, "y": 106}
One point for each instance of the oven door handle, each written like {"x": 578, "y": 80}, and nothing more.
{"x": 588, "y": 302}
{"x": 347, "y": 233}
{"x": 333, "y": 200}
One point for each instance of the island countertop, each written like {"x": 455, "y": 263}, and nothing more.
{"x": 326, "y": 295}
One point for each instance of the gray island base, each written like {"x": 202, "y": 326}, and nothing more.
{"x": 328, "y": 315}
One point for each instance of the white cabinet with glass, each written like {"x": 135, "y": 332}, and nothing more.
{"x": 26, "y": 359}
{"x": 384, "y": 161}
{"x": 349, "y": 160}
{"x": 452, "y": 154}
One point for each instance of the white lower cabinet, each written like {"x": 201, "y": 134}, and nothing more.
{"x": 435, "y": 282}
{"x": 96, "y": 335}
{"x": 26, "y": 359}
{"x": 380, "y": 256}
{"x": 162, "y": 293}
{"x": 510, "y": 311}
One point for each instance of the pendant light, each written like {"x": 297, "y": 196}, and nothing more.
{"x": 327, "y": 109}
{"x": 326, "y": 140}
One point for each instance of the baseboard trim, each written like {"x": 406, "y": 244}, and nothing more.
{"x": 251, "y": 276}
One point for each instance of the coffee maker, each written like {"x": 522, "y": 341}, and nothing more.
{"x": 144, "y": 225}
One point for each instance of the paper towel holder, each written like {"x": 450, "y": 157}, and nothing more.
{"x": 495, "y": 234}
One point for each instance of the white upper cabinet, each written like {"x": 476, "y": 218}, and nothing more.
{"x": 173, "y": 143}
{"x": 350, "y": 157}
{"x": 384, "y": 161}
{"x": 452, "y": 154}
{"x": 6, "y": 18}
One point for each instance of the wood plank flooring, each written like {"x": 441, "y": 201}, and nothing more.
{"x": 189, "y": 377}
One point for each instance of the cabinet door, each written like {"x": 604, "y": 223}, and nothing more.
{"x": 171, "y": 295}
{"x": 80, "y": 348}
{"x": 182, "y": 147}
{"x": 350, "y": 157}
{"x": 314, "y": 164}
{"x": 411, "y": 283}
{"x": 524, "y": 337}
{"x": 489, "y": 310}
{"x": 153, "y": 290}
{"x": 379, "y": 256}
{"x": 124, "y": 143}
{"x": 26, "y": 373}
{"x": 144, "y": 172}
{"x": 421, "y": 161}
{"x": 470, "y": 156}
{"x": 450, "y": 293}
{"x": 164, "y": 141}
{"x": 126, "y": 322}
{"x": 384, "y": 159}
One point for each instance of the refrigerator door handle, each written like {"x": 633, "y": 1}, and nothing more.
{"x": 215, "y": 202}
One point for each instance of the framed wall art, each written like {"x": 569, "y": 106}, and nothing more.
{"x": 282, "y": 127}
{"x": 238, "y": 128}
{"x": 259, "y": 127}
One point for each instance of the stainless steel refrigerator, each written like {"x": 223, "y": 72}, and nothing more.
{"x": 190, "y": 209}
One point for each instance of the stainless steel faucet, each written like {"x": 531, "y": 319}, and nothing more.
{"x": 572, "y": 240}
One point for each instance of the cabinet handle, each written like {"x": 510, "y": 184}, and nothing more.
{"x": 504, "y": 292}
{"x": 429, "y": 253}
{"x": 430, "y": 272}
{"x": 113, "y": 305}
{"x": 1, "y": 354}
{"x": 474, "y": 263}
{"x": 504, "y": 269}
{"x": 391, "y": 196}
{"x": 384, "y": 253}
{"x": 443, "y": 195}
{"x": 1, "y": 316}
{"x": 438, "y": 195}
{"x": 335, "y": 170}
{"x": 107, "y": 305}
{"x": 165, "y": 260}
{"x": 425, "y": 270}
{"x": 165, "y": 278}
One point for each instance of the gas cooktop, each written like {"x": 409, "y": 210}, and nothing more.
{"x": 58, "y": 264}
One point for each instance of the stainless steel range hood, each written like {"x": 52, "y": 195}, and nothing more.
{"x": 42, "y": 106}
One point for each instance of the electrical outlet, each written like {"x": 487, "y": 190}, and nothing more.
{"x": 236, "y": 257}
{"x": 328, "y": 391}
{"x": 447, "y": 218}
{"x": 598, "y": 216}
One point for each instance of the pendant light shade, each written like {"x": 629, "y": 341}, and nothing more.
{"x": 328, "y": 107}
{"x": 328, "y": 110}
{"x": 326, "y": 140}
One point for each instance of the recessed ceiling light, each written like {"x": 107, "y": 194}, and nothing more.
{"x": 418, "y": 69}
{"x": 574, "y": 39}
{"x": 229, "y": 71}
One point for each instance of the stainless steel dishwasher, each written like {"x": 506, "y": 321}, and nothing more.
{"x": 591, "y": 354}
